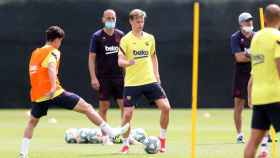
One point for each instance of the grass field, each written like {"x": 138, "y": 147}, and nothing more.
{"x": 216, "y": 135}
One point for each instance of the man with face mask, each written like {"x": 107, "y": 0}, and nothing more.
{"x": 106, "y": 75}
{"x": 240, "y": 43}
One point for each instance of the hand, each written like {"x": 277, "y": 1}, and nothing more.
{"x": 131, "y": 62}
{"x": 247, "y": 53}
{"x": 95, "y": 84}
{"x": 158, "y": 79}
{"x": 51, "y": 93}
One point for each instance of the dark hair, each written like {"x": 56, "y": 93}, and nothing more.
{"x": 54, "y": 32}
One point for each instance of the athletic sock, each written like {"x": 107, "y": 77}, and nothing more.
{"x": 126, "y": 141}
{"x": 162, "y": 134}
{"x": 24, "y": 146}
{"x": 240, "y": 135}
{"x": 264, "y": 141}
{"x": 107, "y": 129}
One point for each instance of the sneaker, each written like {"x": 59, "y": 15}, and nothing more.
{"x": 162, "y": 148}
{"x": 240, "y": 139}
{"x": 263, "y": 154}
{"x": 21, "y": 155}
{"x": 125, "y": 149}
{"x": 122, "y": 130}
{"x": 106, "y": 140}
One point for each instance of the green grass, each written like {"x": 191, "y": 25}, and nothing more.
{"x": 216, "y": 135}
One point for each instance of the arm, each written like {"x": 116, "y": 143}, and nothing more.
{"x": 241, "y": 57}
{"x": 53, "y": 77}
{"x": 122, "y": 61}
{"x": 91, "y": 66}
{"x": 249, "y": 88}
{"x": 155, "y": 67}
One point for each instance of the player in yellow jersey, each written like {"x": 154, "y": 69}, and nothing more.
{"x": 138, "y": 56}
{"x": 264, "y": 85}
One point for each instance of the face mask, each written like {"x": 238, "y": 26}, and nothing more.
{"x": 110, "y": 24}
{"x": 248, "y": 29}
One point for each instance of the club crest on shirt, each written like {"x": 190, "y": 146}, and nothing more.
{"x": 278, "y": 42}
{"x": 147, "y": 43}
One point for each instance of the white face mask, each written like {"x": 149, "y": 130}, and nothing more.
{"x": 248, "y": 29}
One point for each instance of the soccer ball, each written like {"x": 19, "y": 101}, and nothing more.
{"x": 71, "y": 135}
{"x": 83, "y": 136}
{"x": 94, "y": 136}
{"x": 139, "y": 134}
{"x": 117, "y": 140}
{"x": 152, "y": 145}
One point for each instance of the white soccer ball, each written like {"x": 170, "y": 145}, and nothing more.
{"x": 71, "y": 135}
{"x": 83, "y": 136}
{"x": 139, "y": 134}
{"x": 152, "y": 145}
{"x": 94, "y": 136}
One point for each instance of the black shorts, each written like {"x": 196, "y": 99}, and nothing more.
{"x": 110, "y": 88}
{"x": 65, "y": 100}
{"x": 151, "y": 91}
{"x": 266, "y": 115}
{"x": 240, "y": 84}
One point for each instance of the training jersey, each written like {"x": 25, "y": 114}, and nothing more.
{"x": 141, "y": 50}
{"x": 239, "y": 43}
{"x": 265, "y": 48}
{"x": 38, "y": 73}
{"x": 106, "y": 48}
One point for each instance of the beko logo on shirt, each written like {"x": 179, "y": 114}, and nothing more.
{"x": 111, "y": 49}
{"x": 140, "y": 54}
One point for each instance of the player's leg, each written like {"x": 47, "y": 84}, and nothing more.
{"x": 238, "y": 108}
{"x": 154, "y": 92}
{"x": 117, "y": 93}
{"x": 38, "y": 110}
{"x": 127, "y": 116}
{"x": 131, "y": 96}
{"x": 72, "y": 101}
{"x": 164, "y": 106}
{"x": 260, "y": 125}
{"x": 120, "y": 104}
{"x": 104, "y": 97}
{"x": 104, "y": 105}
{"x": 253, "y": 143}
{"x": 103, "y": 108}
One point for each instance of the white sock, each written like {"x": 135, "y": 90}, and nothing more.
{"x": 162, "y": 133}
{"x": 126, "y": 141}
{"x": 107, "y": 129}
{"x": 264, "y": 141}
{"x": 24, "y": 146}
{"x": 240, "y": 134}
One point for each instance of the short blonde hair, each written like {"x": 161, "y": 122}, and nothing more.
{"x": 135, "y": 13}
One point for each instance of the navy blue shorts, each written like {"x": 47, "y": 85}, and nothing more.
{"x": 151, "y": 91}
{"x": 266, "y": 115}
{"x": 240, "y": 84}
{"x": 65, "y": 100}
{"x": 110, "y": 88}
